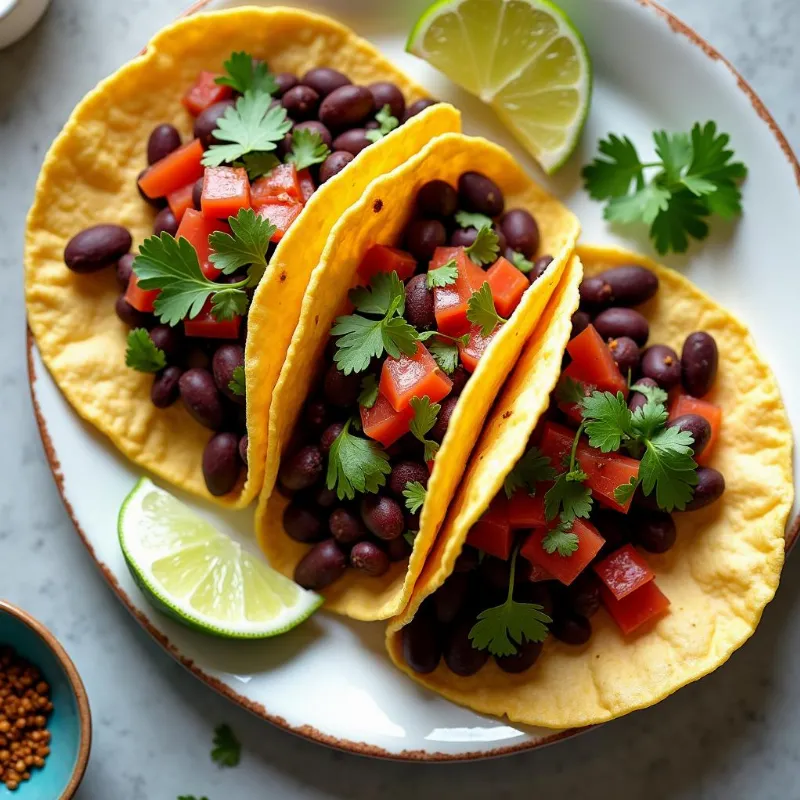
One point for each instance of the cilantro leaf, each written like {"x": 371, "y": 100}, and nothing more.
{"x": 236, "y": 384}
{"x": 246, "y": 245}
{"x": 471, "y": 219}
{"x": 624, "y": 492}
{"x": 445, "y": 275}
{"x": 227, "y": 748}
{"x": 481, "y": 310}
{"x": 369, "y": 391}
{"x": 647, "y": 419}
{"x": 561, "y": 540}
{"x": 521, "y": 263}
{"x": 245, "y": 74}
{"x": 643, "y": 205}
{"x": 570, "y": 498}
{"x": 485, "y": 248}
{"x": 608, "y": 420}
{"x": 229, "y": 303}
{"x": 425, "y": 414}
{"x": 531, "y": 469}
{"x": 415, "y": 494}
{"x": 258, "y": 164}
{"x": 355, "y": 465}
{"x": 569, "y": 391}
{"x": 307, "y": 149}
{"x": 142, "y": 354}
{"x": 668, "y": 466}
{"x": 386, "y": 124}
{"x": 675, "y": 152}
{"x": 410, "y": 536}
{"x": 612, "y": 176}
{"x": 249, "y": 126}
{"x": 654, "y": 394}
{"x": 445, "y": 355}
{"x": 683, "y": 217}
{"x": 385, "y": 290}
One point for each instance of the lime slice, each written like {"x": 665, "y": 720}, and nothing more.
{"x": 201, "y": 577}
{"x": 523, "y": 57}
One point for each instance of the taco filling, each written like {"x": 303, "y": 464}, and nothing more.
{"x": 262, "y": 143}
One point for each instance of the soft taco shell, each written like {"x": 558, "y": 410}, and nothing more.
{"x": 379, "y": 218}
{"x": 89, "y": 176}
{"x": 723, "y": 570}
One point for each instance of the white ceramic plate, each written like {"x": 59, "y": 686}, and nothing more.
{"x": 330, "y": 680}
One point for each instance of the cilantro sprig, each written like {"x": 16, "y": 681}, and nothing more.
{"x": 442, "y": 276}
{"x": 245, "y": 246}
{"x": 472, "y": 219}
{"x": 485, "y": 248}
{"x": 307, "y": 149}
{"x": 482, "y": 312}
{"x": 243, "y": 74}
{"x": 227, "y": 750}
{"x": 141, "y": 353}
{"x": 368, "y": 395}
{"x": 696, "y": 179}
{"x": 355, "y": 465}
{"x": 386, "y": 124}
{"x": 445, "y": 354}
{"x": 414, "y": 494}
{"x": 521, "y": 263}
{"x": 531, "y": 469}
{"x": 425, "y": 414}
{"x": 236, "y": 383}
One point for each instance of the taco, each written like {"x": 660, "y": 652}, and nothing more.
{"x": 630, "y": 545}
{"x": 252, "y": 152}
{"x": 373, "y": 419}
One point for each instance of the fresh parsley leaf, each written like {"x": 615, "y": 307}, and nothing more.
{"x": 386, "y": 124}
{"x": 384, "y": 292}
{"x": 471, "y": 219}
{"x": 481, "y": 310}
{"x": 668, "y": 466}
{"x": 258, "y": 164}
{"x": 171, "y": 265}
{"x": 141, "y": 354}
{"x": 249, "y": 126}
{"x": 445, "y": 275}
{"x": 684, "y": 217}
{"x": 369, "y": 391}
{"x": 649, "y": 418}
{"x": 568, "y": 497}
{"x": 531, "y": 469}
{"x": 485, "y": 248}
{"x": 624, "y": 492}
{"x": 675, "y": 152}
{"x": 445, "y": 355}
{"x": 608, "y": 420}
{"x": 415, "y": 494}
{"x": 500, "y": 629}
{"x": 410, "y": 536}
{"x": 643, "y": 205}
{"x": 246, "y": 245}
{"x": 355, "y": 465}
{"x": 570, "y": 391}
{"x": 561, "y": 540}
{"x": 521, "y": 263}
{"x": 612, "y": 176}
{"x": 227, "y": 748}
{"x": 244, "y": 74}
{"x": 307, "y": 149}
{"x": 654, "y": 394}
{"x": 361, "y": 339}
{"x": 425, "y": 414}
{"x": 236, "y": 384}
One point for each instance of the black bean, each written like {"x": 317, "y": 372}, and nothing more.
{"x": 317, "y": 127}
{"x": 387, "y": 94}
{"x": 580, "y": 322}
{"x": 495, "y": 573}
{"x": 699, "y": 361}
{"x": 201, "y": 398}
{"x": 334, "y": 164}
{"x": 521, "y": 231}
{"x": 346, "y": 107}
{"x": 321, "y": 566}
{"x": 221, "y": 464}
{"x": 404, "y": 472}
{"x": 450, "y": 597}
{"x": 97, "y": 247}
{"x": 398, "y": 549}
{"x": 412, "y": 520}
{"x": 661, "y": 363}
{"x": 162, "y": 141}
{"x": 155, "y": 202}
{"x": 301, "y": 102}
{"x": 125, "y": 270}
{"x": 654, "y": 531}
{"x": 302, "y": 469}
{"x": 420, "y": 309}
{"x": 368, "y": 558}
{"x": 439, "y": 430}
{"x": 329, "y": 436}
{"x": 382, "y": 516}
{"x": 422, "y": 649}
{"x": 284, "y": 146}
{"x": 584, "y": 594}
{"x": 197, "y": 194}
{"x": 285, "y": 81}
{"x": 341, "y": 390}
{"x": 131, "y": 316}
{"x": 614, "y": 527}
{"x": 459, "y": 378}
{"x": 206, "y": 122}
{"x": 467, "y": 560}
{"x": 437, "y": 199}
{"x": 196, "y": 356}
{"x": 303, "y": 523}
{"x": 165, "y": 222}
{"x": 526, "y": 656}
{"x": 699, "y": 427}
{"x": 479, "y": 193}
{"x": 243, "y": 449}
{"x": 352, "y": 141}
{"x": 637, "y": 399}
{"x": 710, "y": 487}
{"x": 460, "y": 656}
{"x": 628, "y": 285}
{"x": 423, "y": 236}
{"x": 226, "y": 359}
{"x": 323, "y": 497}
{"x": 346, "y": 527}
{"x": 626, "y": 354}
{"x": 616, "y": 322}
{"x": 640, "y": 500}
{"x": 417, "y": 106}
{"x": 164, "y": 391}
{"x": 501, "y": 239}
{"x": 324, "y": 80}
{"x": 463, "y": 237}
{"x": 171, "y": 341}
{"x": 540, "y": 267}
{"x": 571, "y": 629}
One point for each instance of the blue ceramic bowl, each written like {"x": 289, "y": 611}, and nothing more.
{"x": 70, "y": 723}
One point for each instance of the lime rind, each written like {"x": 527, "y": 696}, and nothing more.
{"x": 200, "y": 577}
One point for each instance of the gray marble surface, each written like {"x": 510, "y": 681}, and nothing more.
{"x": 736, "y": 734}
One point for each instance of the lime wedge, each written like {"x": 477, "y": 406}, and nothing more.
{"x": 523, "y": 57}
{"x": 201, "y": 577}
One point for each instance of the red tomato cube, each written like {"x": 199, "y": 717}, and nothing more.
{"x": 508, "y": 285}
{"x": 624, "y": 571}
{"x": 180, "y": 201}
{"x": 525, "y": 511}
{"x": 226, "y": 190}
{"x": 686, "y": 404}
{"x": 380, "y": 258}
{"x": 413, "y": 376}
{"x": 538, "y": 574}
{"x": 492, "y": 532}
{"x": 206, "y": 326}
{"x": 564, "y": 568}
{"x": 196, "y": 229}
{"x": 281, "y": 215}
{"x": 280, "y": 183}
{"x": 471, "y": 353}
{"x": 593, "y": 363}
{"x": 637, "y": 608}
{"x": 140, "y": 299}
{"x": 307, "y": 186}
{"x": 383, "y": 424}
{"x": 450, "y": 302}
{"x": 175, "y": 171}
{"x": 205, "y": 92}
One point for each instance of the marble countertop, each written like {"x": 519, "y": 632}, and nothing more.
{"x": 736, "y": 734}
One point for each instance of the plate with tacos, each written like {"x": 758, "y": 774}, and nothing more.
{"x": 517, "y": 417}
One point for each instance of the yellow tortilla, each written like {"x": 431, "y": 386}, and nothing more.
{"x": 89, "y": 177}
{"x": 380, "y": 218}
{"x": 723, "y": 570}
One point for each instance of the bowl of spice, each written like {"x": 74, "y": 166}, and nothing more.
{"x": 45, "y": 722}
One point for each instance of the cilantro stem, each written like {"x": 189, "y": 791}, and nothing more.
{"x": 574, "y": 450}
{"x": 512, "y": 570}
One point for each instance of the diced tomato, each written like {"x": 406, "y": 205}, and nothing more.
{"x": 207, "y": 326}
{"x": 383, "y": 424}
{"x": 175, "y": 171}
{"x": 226, "y": 190}
{"x": 281, "y": 214}
{"x": 492, "y": 532}
{"x": 471, "y": 353}
{"x": 140, "y": 299}
{"x": 307, "y": 185}
{"x": 450, "y": 302}
{"x": 196, "y": 229}
{"x": 637, "y": 608}
{"x": 686, "y": 404}
{"x": 525, "y": 511}
{"x": 538, "y": 574}
{"x": 593, "y": 363}
{"x": 180, "y": 201}
{"x": 380, "y": 258}
{"x": 624, "y": 571}
{"x": 606, "y": 471}
{"x": 205, "y": 93}
{"x": 564, "y": 568}
{"x": 280, "y": 183}
{"x": 413, "y": 376}
{"x": 508, "y": 285}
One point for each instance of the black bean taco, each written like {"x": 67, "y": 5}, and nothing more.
{"x": 425, "y": 295}
{"x": 624, "y": 540}
{"x": 237, "y": 139}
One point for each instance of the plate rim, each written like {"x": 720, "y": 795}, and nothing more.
{"x": 309, "y": 732}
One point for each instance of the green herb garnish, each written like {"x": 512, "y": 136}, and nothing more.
{"x": 245, "y": 246}
{"x": 307, "y": 149}
{"x": 369, "y": 391}
{"x": 236, "y": 384}
{"x": 386, "y": 124}
{"x": 471, "y": 219}
{"x": 445, "y": 275}
{"x": 485, "y": 248}
{"x": 425, "y": 414}
{"x": 532, "y": 468}
{"x": 481, "y": 310}
{"x": 415, "y": 494}
{"x": 227, "y": 748}
{"x": 561, "y": 540}
{"x": 244, "y": 74}
{"x": 355, "y": 465}
{"x": 521, "y": 263}
{"x": 445, "y": 355}
{"x": 141, "y": 354}
{"x": 258, "y": 164}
